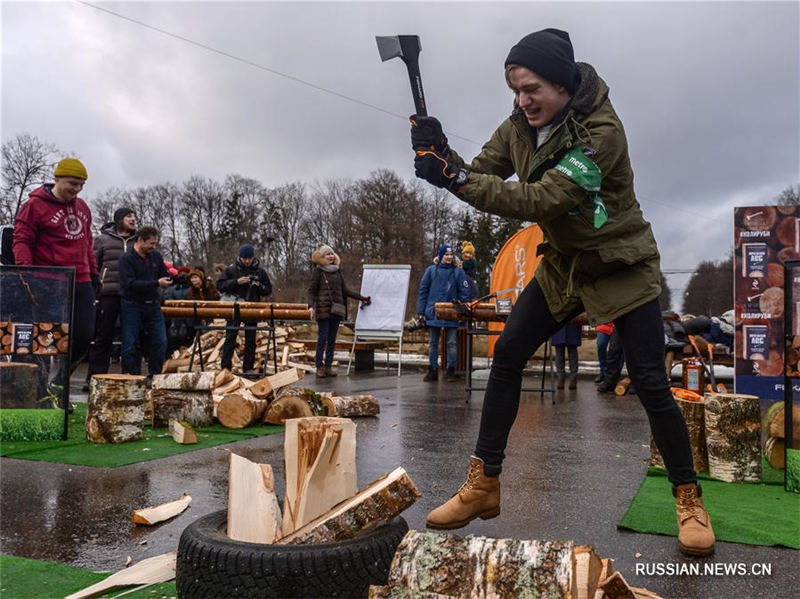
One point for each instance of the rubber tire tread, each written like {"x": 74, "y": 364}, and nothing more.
{"x": 212, "y": 566}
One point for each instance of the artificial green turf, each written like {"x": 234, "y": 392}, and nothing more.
{"x": 750, "y": 513}
{"x": 31, "y": 425}
{"x": 22, "y": 578}
{"x": 157, "y": 443}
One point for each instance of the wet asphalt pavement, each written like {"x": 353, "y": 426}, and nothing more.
{"x": 571, "y": 470}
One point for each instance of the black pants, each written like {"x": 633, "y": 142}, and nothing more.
{"x": 529, "y": 326}
{"x": 104, "y": 333}
{"x": 615, "y": 358}
{"x": 81, "y": 330}
{"x": 249, "y": 347}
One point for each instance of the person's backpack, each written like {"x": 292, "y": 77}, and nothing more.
{"x": 6, "y": 240}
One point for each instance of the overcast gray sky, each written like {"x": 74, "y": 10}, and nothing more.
{"x": 707, "y": 91}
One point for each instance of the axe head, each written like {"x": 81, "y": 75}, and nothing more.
{"x": 407, "y": 47}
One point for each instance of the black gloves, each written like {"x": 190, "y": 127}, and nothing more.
{"x": 439, "y": 171}
{"x": 427, "y": 134}
{"x": 366, "y": 301}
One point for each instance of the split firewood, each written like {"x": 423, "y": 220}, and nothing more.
{"x": 229, "y": 387}
{"x": 483, "y": 567}
{"x": 320, "y": 457}
{"x": 775, "y": 452}
{"x": 622, "y": 387}
{"x": 616, "y": 587}
{"x": 115, "y": 409}
{"x": 182, "y": 432}
{"x": 195, "y": 381}
{"x": 253, "y": 512}
{"x": 284, "y": 378}
{"x": 160, "y": 568}
{"x": 350, "y": 406}
{"x": 195, "y": 407}
{"x": 733, "y": 437}
{"x": 237, "y": 411}
{"x": 223, "y": 376}
{"x": 293, "y": 402}
{"x": 159, "y": 513}
{"x": 379, "y": 502}
{"x": 588, "y": 568}
{"x": 302, "y": 367}
{"x": 261, "y": 389}
{"x": 694, "y": 415}
{"x": 173, "y": 364}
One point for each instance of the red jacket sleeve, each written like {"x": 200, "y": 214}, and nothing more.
{"x": 25, "y": 235}
{"x": 93, "y": 269}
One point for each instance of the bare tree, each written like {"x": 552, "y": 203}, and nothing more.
{"x": 27, "y": 163}
{"x": 201, "y": 201}
{"x": 789, "y": 196}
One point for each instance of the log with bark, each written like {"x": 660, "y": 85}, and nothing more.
{"x": 19, "y": 384}
{"x": 351, "y": 406}
{"x": 253, "y": 512}
{"x": 481, "y": 567}
{"x": 160, "y": 513}
{"x": 116, "y": 407}
{"x": 195, "y": 407}
{"x": 190, "y": 381}
{"x": 484, "y": 311}
{"x": 694, "y": 415}
{"x": 379, "y": 502}
{"x": 622, "y": 387}
{"x": 236, "y": 410}
{"x": 293, "y": 402}
{"x": 229, "y": 305}
{"x": 733, "y": 437}
{"x": 246, "y": 314}
{"x": 160, "y": 568}
{"x": 320, "y": 460}
{"x": 182, "y": 432}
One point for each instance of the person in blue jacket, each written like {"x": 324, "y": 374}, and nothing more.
{"x": 442, "y": 282}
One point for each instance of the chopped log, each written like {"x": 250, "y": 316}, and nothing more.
{"x": 350, "y": 406}
{"x": 19, "y": 384}
{"x": 261, "y": 389}
{"x": 173, "y": 365}
{"x": 223, "y": 376}
{"x": 483, "y": 567}
{"x": 159, "y": 513}
{"x": 303, "y": 367}
{"x": 153, "y": 570}
{"x": 253, "y": 512}
{"x": 236, "y": 411}
{"x": 195, "y": 407}
{"x": 608, "y": 568}
{"x": 622, "y": 387}
{"x": 285, "y": 355}
{"x": 694, "y": 415}
{"x": 588, "y": 568}
{"x": 320, "y": 456}
{"x": 733, "y": 437}
{"x": 287, "y": 407}
{"x": 377, "y": 503}
{"x": 194, "y": 381}
{"x": 616, "y": 587}
{"x": 234, "y": 384}
{"x": 116, "y": 406}
{"x": 775, "y": 452}
{"x": 182, "y": 432}
{"x": 284, "y": 378}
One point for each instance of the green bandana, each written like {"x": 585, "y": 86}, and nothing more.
{"x": 582, "y": 170}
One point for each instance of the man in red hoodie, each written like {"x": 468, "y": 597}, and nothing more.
{"x": 54, "y": 228}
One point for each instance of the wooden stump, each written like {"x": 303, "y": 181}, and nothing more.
{"x": 733, "y": 437}
{"x": 195, "y": 407}
{"x": 350, "y": 406}
{"x": 482, "y": 567}
{"x": 694, "y": 414}
{"x": 188, "y": 381}
{"x": 19, "y": 384}
{"x": 237, "y": 411}
{"x": 115, "y": 411}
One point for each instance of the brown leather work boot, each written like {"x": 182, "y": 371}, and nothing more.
{"x": 321, "y": 374}
{"x": 478, "y": 497}
{"x": 695, "y": 535}
{"x": 330, "y": 371}
{"x": 573, "y": 383}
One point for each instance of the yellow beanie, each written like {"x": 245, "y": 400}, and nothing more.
{"x": 71, "y": 167}
{"x": 466, "y": 246}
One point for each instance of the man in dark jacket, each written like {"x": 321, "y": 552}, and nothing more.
{"x": 54, "y": 228}
{"x": 246, "y": 280}
{"x": 141, "y": 274}
{"x": 108, "y": 247}
{"x": 567, "y": 146}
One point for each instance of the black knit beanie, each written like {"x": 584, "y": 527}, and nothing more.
{"x": 121, "y": 213}
{"x": 547, "y": 53}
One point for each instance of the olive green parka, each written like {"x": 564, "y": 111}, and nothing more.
{"x": 607, "y": 271}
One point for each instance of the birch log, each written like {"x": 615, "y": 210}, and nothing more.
{"x": 733, "y": 437}
{"x": 351, "y": 406}
{"x": 188, "y": 381}
{"x": 388, "y": 592}
{"x": 195, "y": 407}
{"x": 115, "y": 410}
{"x": 483, "y": 568}
{"x": 377, "y": 503}
{"x": 237, "y": 411}
{"x": 694, "y": 414}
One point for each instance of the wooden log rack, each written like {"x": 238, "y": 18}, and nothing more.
{"x": 470, "y": 313}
